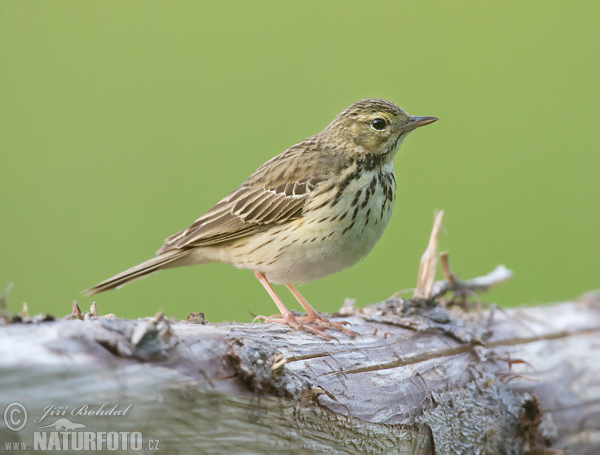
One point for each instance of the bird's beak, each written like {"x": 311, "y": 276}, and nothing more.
{"x": 416, "y": 122}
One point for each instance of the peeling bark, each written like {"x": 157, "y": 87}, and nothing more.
{"x": 423, "y": 379}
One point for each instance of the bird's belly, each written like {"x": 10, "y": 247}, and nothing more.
{"x": 331, "y": 252}
{"x": 327, "y": 239}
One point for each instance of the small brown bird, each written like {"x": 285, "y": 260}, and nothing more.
{"x": 315, "y": 209}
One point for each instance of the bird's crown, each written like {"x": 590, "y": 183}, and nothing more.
{"x": 370, "y": 126}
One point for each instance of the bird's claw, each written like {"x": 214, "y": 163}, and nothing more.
{"x": 326, "y": 323}
{"x": 311, "y": 324}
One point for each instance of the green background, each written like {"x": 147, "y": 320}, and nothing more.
{"x": 121, "y": 122}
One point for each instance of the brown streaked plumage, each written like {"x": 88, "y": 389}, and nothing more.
{"x": 313, "y": 210}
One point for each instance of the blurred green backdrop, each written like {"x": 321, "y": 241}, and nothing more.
{"x": 122, "y": 122}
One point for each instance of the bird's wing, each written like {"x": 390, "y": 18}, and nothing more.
{"x": 276, "y": 193}
{"x": 245, "y": 211}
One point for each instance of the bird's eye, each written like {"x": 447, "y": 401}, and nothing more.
{"x": 378, "y": 124}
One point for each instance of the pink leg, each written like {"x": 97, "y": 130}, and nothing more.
{"x": 285, "y": 317}
{"x": 313, "y": 316}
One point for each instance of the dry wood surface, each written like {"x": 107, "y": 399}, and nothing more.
{"x": 425, "y": 377}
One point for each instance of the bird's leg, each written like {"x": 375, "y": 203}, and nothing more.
{"x": 286, "y": 317}
{"x": 313, "y": 316}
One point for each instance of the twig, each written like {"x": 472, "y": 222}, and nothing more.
{"x": 76, "y": 313}
{"x": 482, "y": 283}
{"x": 427, "y": 268}
{"x": 427, "y": 288}
{"x": 446, "y": 270}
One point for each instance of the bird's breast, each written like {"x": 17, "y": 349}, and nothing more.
{"x": 341, "y": 224}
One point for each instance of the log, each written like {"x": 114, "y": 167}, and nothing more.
{"x": 425, "y": 377}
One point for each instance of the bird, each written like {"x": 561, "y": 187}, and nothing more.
{"x": 309, "y": 212}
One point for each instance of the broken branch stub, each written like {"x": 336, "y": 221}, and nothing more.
{"x": 428, "y": 266}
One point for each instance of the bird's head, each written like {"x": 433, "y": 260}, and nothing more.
{"x": 373, "y": 126}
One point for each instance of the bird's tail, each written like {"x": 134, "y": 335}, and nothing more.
{"x": 139, "y": 271}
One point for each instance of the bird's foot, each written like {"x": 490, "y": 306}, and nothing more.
{"x": 321, "y": 321}
{"x": 296, "y": 323}
{"x": 306, "y": 323}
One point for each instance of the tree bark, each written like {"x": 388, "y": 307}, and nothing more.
{"x": 424, "y": 378}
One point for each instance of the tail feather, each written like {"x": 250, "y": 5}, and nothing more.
{"x": 139, "y": 271}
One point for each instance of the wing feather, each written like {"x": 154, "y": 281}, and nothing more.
{"x": 275, "y": 194}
